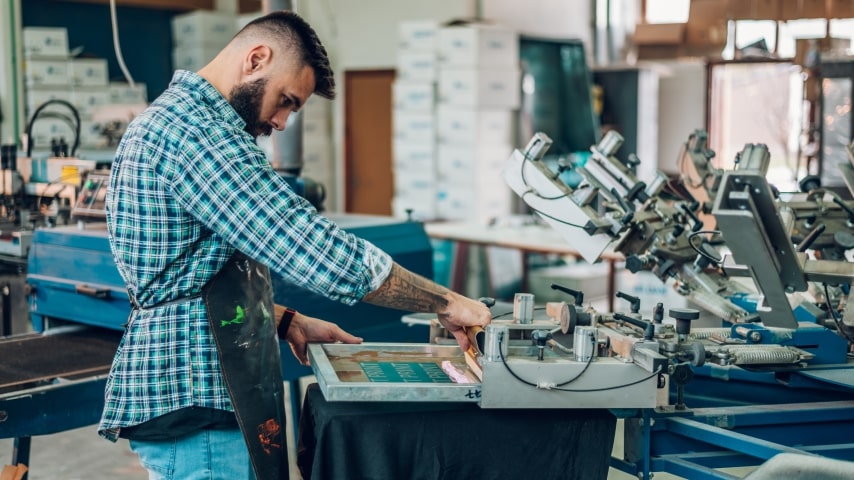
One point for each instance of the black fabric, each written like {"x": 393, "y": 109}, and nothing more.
{"x": 415, "y": 441}
{"x": 239, "y": 302}
{"x": 180, "y": 423}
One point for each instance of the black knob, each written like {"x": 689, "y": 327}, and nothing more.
{"x": 540, "y": 337}
{"x": 635, "y": 263}
{"x": 658, "y": 313}
{"x": 578, "y": 295}
{"x": 634, "y": 301}
{"x": 684, "y": 313}
{"x": 683, "y": 317}
{"x": 810, "y": 182}
{"x": 843, "y": 240}
{"x": 677, "y": 230}
{"x": 488, "y": 301}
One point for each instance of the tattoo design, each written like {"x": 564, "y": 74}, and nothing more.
{"x": 405, "y": 290}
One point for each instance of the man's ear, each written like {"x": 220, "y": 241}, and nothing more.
{"x": 256, "y": 59}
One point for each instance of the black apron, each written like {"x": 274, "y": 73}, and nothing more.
{"x": 239, "y": 302}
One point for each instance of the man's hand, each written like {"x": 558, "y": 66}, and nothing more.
{"x": 305, "y": 330}
{"x": 463, "y": 312}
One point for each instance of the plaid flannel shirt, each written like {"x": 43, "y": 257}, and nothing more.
{"x": 188, "y": 188}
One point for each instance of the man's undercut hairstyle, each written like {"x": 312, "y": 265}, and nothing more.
{"x": 295, "y": 33}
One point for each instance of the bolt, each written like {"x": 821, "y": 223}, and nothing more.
{"x": 3, "y": 416}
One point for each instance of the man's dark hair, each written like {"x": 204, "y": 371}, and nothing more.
{"x": 298, "y": 34}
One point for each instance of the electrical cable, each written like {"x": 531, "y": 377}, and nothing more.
{"x": 576, "y": 377}
{"x": 517, "y": 377}
{"x": 530, "y": 190}
{"x": 602, "y": 389}
{"x": 35, "y": 116}
{"x": 511, "y": 312}
{"x": 117, "y": 47}
{"x": 527, "y": 158}
{"x": 691, "y": 236}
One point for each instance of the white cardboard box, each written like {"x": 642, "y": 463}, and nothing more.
{"x": 478, "y": 201}
{"x": 482, "y": 88}
{"x": 413, "y": 126}
{"x": 45, "y": 42}
{"x": 418, "y": 35}
{"x": 408, "y": 181}
{"x": 88, "y": 72}
{"x": 480, "y": 46}
{"x": 315, "y": 128}
{"x": 36, "y": 96}
{"x": 316, "y": 106}
{"x": 48, "y": 128}
{"x": 46, "y": 72}
{"x": 123, "y": 93}
{"x": 418, "y": 208}
{"x": 413, "y": 95}
{"x": 243, "y": 20}
{"x": 200, "y": 27}
{"x": 414, "y": 156}
{"x": 91, "y": 136}
{"x": 463, "y": 163}
{"x": 192, "y": 58}
{"x": 317, "y": 156}
{"x": 461, "y": 125}
{"x": 417, "y": 66}
{"x": 87, "y": 99}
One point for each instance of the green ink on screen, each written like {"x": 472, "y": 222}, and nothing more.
{"x": 404, "y": 372}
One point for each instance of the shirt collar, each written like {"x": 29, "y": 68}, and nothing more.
{"x": 197, "y": 86}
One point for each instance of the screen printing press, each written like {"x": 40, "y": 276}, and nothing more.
{"x": 776, "y": 377}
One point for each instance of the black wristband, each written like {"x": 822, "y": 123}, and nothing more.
{"x": 285, "y": 323}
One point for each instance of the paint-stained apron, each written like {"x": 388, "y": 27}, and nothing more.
{"x": 239, "y": 302}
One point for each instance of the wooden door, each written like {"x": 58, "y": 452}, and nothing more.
{"x": 369, "y": 184}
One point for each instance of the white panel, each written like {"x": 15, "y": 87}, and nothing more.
{"x": 681, "y": 108}
{"x": 543, "y": 18}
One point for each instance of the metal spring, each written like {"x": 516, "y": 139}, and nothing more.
{"x": 752, "y": 355}
{"x": 706, "y": 333}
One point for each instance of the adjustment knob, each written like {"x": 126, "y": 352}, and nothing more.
{"x": 636, "y": 263}
{"x": 843, "y": 240}
{"x": 683, "y": 317}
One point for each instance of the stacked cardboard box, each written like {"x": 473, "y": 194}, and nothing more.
{"x": 479, "y": 87}
{"x": 414, "y": 121}
{"x": 198, "y": 37}
{"x": 317, "y": 151}
{"x": 50, "y": 74}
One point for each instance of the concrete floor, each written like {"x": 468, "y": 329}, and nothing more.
{"x": 82, "y": 455}
{"x": 78, "y": 455}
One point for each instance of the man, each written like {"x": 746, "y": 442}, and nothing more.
{"x": 195, "y": 216}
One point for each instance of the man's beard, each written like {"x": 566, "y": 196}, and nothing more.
{"x": 246, "y": 100}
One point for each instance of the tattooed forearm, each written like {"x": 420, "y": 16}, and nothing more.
{"x": 405, "y": 290}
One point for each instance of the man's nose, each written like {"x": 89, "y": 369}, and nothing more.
{"x": 280, "y": 119}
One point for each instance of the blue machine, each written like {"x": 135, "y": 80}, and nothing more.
{"x": 73, "y": 279}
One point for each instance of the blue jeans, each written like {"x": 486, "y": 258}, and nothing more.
{"x": 204, "y": 455}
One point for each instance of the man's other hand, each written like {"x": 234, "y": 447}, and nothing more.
{"x": 304, "y": 330}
